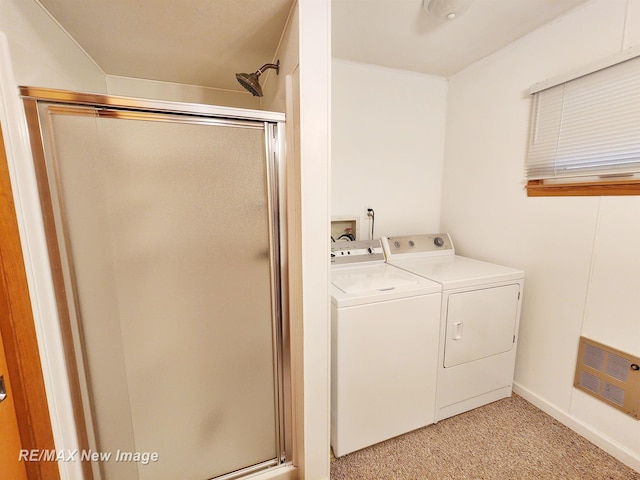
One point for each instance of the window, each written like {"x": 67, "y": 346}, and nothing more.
{"x": 585, "y": 134}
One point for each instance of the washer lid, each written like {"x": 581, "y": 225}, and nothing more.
{"x": 380, "y": 277}
{"x": 375, "y": 283}
{"x": 456, "y": 271}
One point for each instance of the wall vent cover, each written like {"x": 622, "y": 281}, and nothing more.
{"x": 609, "y": 375}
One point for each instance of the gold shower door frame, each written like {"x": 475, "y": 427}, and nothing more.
{"x": 79, "y": 104}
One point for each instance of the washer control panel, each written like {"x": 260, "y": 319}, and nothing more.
{"x": 418, "y": 245}
{"x": 356, "y": 252}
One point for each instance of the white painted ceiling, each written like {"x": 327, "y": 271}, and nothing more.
{"x": 401, "y": 34}
{"x": 205, "y": 42}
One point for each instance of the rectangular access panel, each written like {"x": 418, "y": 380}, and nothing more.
{"x": 609, "y": 375}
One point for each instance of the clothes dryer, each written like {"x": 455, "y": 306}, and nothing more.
{"x": 479, "y": 320}
{"x": 384, "y": 333}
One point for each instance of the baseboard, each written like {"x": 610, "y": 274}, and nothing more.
{"x": 596, "y": 437}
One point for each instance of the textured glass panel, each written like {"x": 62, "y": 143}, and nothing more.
{"x": 168, "y": 229}
{"x": 82, "y": 188}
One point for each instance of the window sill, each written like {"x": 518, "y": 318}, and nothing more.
{"x": 537, "y": 188}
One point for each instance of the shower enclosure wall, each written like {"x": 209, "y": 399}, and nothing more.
{"x": 163, "y": 228}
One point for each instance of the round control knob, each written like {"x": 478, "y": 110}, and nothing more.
{"x": 438, "y": 241}
{"x": 396, "y": 244}
{"x": 411, "y": 243}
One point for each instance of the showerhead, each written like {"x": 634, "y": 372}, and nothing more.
{"x": 251, "y": 82}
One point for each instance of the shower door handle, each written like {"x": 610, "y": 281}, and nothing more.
{"x": 3, "y": 390}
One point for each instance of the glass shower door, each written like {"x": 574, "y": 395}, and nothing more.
{"x": 166, "y": 230}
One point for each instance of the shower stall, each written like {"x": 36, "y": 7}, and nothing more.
{"x": 164, "y": 237}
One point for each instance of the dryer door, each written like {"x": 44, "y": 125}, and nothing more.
{"x": 480, "y": 323}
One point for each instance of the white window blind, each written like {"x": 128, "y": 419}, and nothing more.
{"x": 589, "y": 126}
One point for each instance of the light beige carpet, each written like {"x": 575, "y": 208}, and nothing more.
{"x": 508, "y": 439}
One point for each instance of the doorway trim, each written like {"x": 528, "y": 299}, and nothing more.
{"x": 36, "y": 264}
{"x": 19, "y": 337}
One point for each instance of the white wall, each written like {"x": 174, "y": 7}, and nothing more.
{"x": 315, "y": 161}
{"x": 274, "y": 86}
{"x": 580, "y": 254}
{"x": 387, "y": 147}
{"x": 41, "y": 52}
{"x": 177, "y": 92}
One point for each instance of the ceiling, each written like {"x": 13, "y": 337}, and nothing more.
{"x": 401, "y": 34}
{"x": 195, "y": 42}
{"x": 205, "y": 42}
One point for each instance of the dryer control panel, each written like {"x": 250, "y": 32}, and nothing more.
{"x": 424, "y": 245}
{"x": 356, "y": 252}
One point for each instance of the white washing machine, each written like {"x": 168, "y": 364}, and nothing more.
{"x": 479, "y": 322}
{"x": 384, "y": 352}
